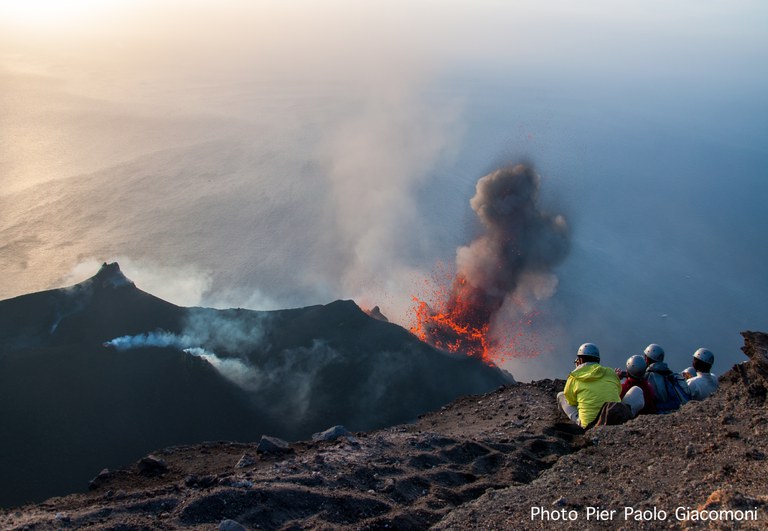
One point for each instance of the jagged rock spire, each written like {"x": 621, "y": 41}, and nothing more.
{"x": 111, "y": 275}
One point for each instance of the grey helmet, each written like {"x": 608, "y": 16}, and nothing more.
{"x": 636, "y": 366}
{"x": 589, "y": 350}
{"x": 691, "y": 372}
{"x": 654, "y": 352}
{"x": 704, "y": 355}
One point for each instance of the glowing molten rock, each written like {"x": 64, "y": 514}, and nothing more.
{"x": 486, "y": 310}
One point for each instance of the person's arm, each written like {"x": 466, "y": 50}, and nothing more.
{"x": 570, "y": 394}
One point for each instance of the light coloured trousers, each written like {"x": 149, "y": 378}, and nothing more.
{"x": 634, "y": 399}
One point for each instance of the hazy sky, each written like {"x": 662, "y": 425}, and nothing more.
{"x": 295, "y": 152}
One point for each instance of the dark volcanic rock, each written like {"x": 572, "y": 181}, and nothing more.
{"x": 273, "y": 446}
{"x": 406, "y": 477}
{"x": 152, "y": 466}
{"x": 376, "y": 314}
{"x": 331, "y": 434}
{"x": 71, "y": 405}
{"x": 100, "y": 479}
{"x": 245, "y": 461}
{"x": 481, "y": 462}
{"x": 101, "y": 308}
{"x": 756, "y": 349}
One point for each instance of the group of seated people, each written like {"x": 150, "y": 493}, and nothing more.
{"x": 595, "y": 394}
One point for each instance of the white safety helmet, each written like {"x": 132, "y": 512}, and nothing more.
{"x": 589, "y": 350}
{"x": 654, "y": 352}
{"x": 704, "y": 355}
{"x": 636, "y": 366}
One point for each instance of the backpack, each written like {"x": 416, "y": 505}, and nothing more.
{"x": 676, "y": 393}
{"x": 612, "y": 413}
{"x": 681, "y": 388}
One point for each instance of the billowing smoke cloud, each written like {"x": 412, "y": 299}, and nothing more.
{"x": 502, "y": 273}
{"x": 521, "y": 243}
{"x": 377, "y": 160}
{"x": 231, "y": 331}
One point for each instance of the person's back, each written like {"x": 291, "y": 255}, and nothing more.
{"x": 656, "y": 375}
{"x": 656, "y": 371}
{"x": 634, "y": 376}
{"x": 670, "y": 389}
{"x": 588, "y": 387}
{"x": 704, "y": 383}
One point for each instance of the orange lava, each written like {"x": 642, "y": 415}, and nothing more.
{"x": 457, "y": 319}
{"x": 446, "y": 330}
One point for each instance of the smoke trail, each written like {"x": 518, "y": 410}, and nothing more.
{"x": 502, "y": 273}
{"x": 289, "y": 382}
{"x": 233, "y": 369}
{"x": 159, "y": 338}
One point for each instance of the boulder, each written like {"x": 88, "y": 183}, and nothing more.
{"x": 273, "y": 446}
{"x": 152, "y": 466}
{"x": 756, "y": 349}
{"x": 100, "y": 479}
{"x": 245, "y": 461}
{"x": 331, "y": 434}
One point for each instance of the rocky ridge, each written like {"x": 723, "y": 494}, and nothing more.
{"x": 100, "y": 373}
{"x": 483, "y": 462}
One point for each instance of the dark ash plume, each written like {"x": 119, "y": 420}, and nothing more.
{"x": 518, "y": 238}
{"x": 501, "y": 273}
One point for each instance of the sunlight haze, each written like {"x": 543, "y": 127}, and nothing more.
{"x": 287, "y": 153}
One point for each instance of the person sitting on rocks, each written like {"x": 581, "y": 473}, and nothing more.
{"x": 704, "y": 383}
{"x": 635, "y": 377}
{"x": 590, "y": 386}
{"x": 653, "y": 354}
{"x": 669, "y": 389}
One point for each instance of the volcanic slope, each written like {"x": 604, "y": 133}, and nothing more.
{"x": 98, "y": 374}
{"x": 708, "y": 456}
{"x": 481, "y": 462}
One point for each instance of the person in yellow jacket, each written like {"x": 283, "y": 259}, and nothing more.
{"x": 591, "y": 385}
